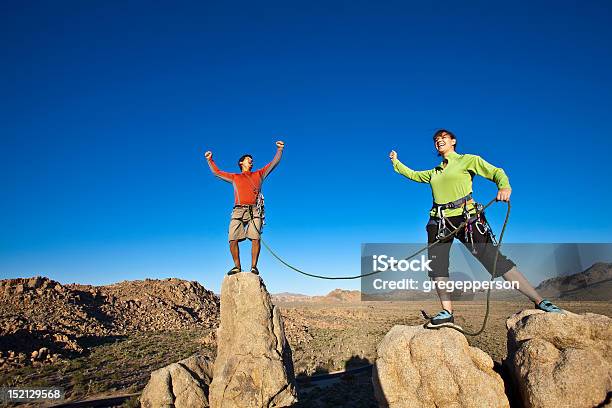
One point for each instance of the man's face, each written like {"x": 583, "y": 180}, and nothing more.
{"x": 247, "y": 164}
{"x": 444, "y": 143}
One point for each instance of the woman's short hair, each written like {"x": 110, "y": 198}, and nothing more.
{"x": 448, "y": 132}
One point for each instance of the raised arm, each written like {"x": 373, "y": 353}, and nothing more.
{"x": 267, "y": 169}
{"x": 478, "y": 165}
{"x": 223, "y": 175}
{"x": 418, "y": 176}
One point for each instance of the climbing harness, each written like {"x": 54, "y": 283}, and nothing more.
{"x": 476, "y": 221}
{"x": 443, "y": 230}
{"x": 479, "y": 210}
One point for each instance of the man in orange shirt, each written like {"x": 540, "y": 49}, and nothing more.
{"x": 248, "y": 212}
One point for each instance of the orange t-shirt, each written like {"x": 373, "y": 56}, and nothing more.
{"x": 247, "y": 185}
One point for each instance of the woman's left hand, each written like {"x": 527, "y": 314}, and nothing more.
{"x": 504, "y": 194}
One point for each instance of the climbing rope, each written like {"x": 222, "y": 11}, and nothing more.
{"x": 427, "y": 247}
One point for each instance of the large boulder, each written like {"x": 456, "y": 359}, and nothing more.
{"x": 560, "y": 360}
{"x": 179, "y": 385}
{"x": 422, "y": 368}
{"x": 253, "y": 366}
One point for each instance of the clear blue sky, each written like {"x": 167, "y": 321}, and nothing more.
{"x": 108, "y": 107}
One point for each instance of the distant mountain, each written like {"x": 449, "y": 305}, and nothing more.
{"x": 290, "y": 297}
{"x": 336, "y": 295}
{"x": 340, "y": 295}
{"x": 594, "y": 283}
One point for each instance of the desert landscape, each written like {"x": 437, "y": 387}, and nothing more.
{"x": 104, "y": 341}
{"x": 214, "y": 204}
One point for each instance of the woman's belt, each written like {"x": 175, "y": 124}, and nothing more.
{"x": 453, "y": 204}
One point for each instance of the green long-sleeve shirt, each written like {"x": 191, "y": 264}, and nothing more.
{"x": 454, "y": 181}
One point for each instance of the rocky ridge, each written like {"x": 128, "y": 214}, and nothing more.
{"x": 42, "y": 320}
{"x": 594, "y": 283}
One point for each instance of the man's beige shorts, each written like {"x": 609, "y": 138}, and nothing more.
{"x": 241, "y": 226}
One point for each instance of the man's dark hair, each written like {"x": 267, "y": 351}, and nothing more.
{"x": 448, "y": 132}
{"x": 241, "y": 159}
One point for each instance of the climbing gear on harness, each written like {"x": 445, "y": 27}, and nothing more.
{"x": 261, "y": 212}
{"x": 443, "y": 230}
{"x": 259, "y": 202}
{"x": 255, "y": 270}
{"x": 477, "y": 221}
{"x": 234, "y": 270}
{"x": 483, "y": 227}
{"x": 547, "y": 306}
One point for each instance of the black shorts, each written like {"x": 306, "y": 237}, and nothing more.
{"x": 483, "y": 247}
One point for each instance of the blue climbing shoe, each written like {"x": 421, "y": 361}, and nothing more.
{"x": 442, "y": 318}
{"x": 547, "y": 306}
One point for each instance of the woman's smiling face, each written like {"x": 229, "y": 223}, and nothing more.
{"x": 444, "y": 143}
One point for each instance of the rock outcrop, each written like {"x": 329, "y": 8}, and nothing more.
{"x": 560, "y": 360}
{"x": 253, "y": 367}
{"x": 421, "y": 368}
{"x": 42, "y": 320}
{"x": 179, "y": 385}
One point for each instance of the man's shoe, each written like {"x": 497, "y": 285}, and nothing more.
{"x": 255, "y": 270}
{"x": 547, "y": 306}
{"x": 234, "y": 270}
{"x": 443, "y": 318}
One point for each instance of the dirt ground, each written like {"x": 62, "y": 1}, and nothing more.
{"x": 324, "y": 337}
{"x": 347, "y": 333}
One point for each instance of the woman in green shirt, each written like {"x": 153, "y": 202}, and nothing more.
{"x": 451, "y": 185}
